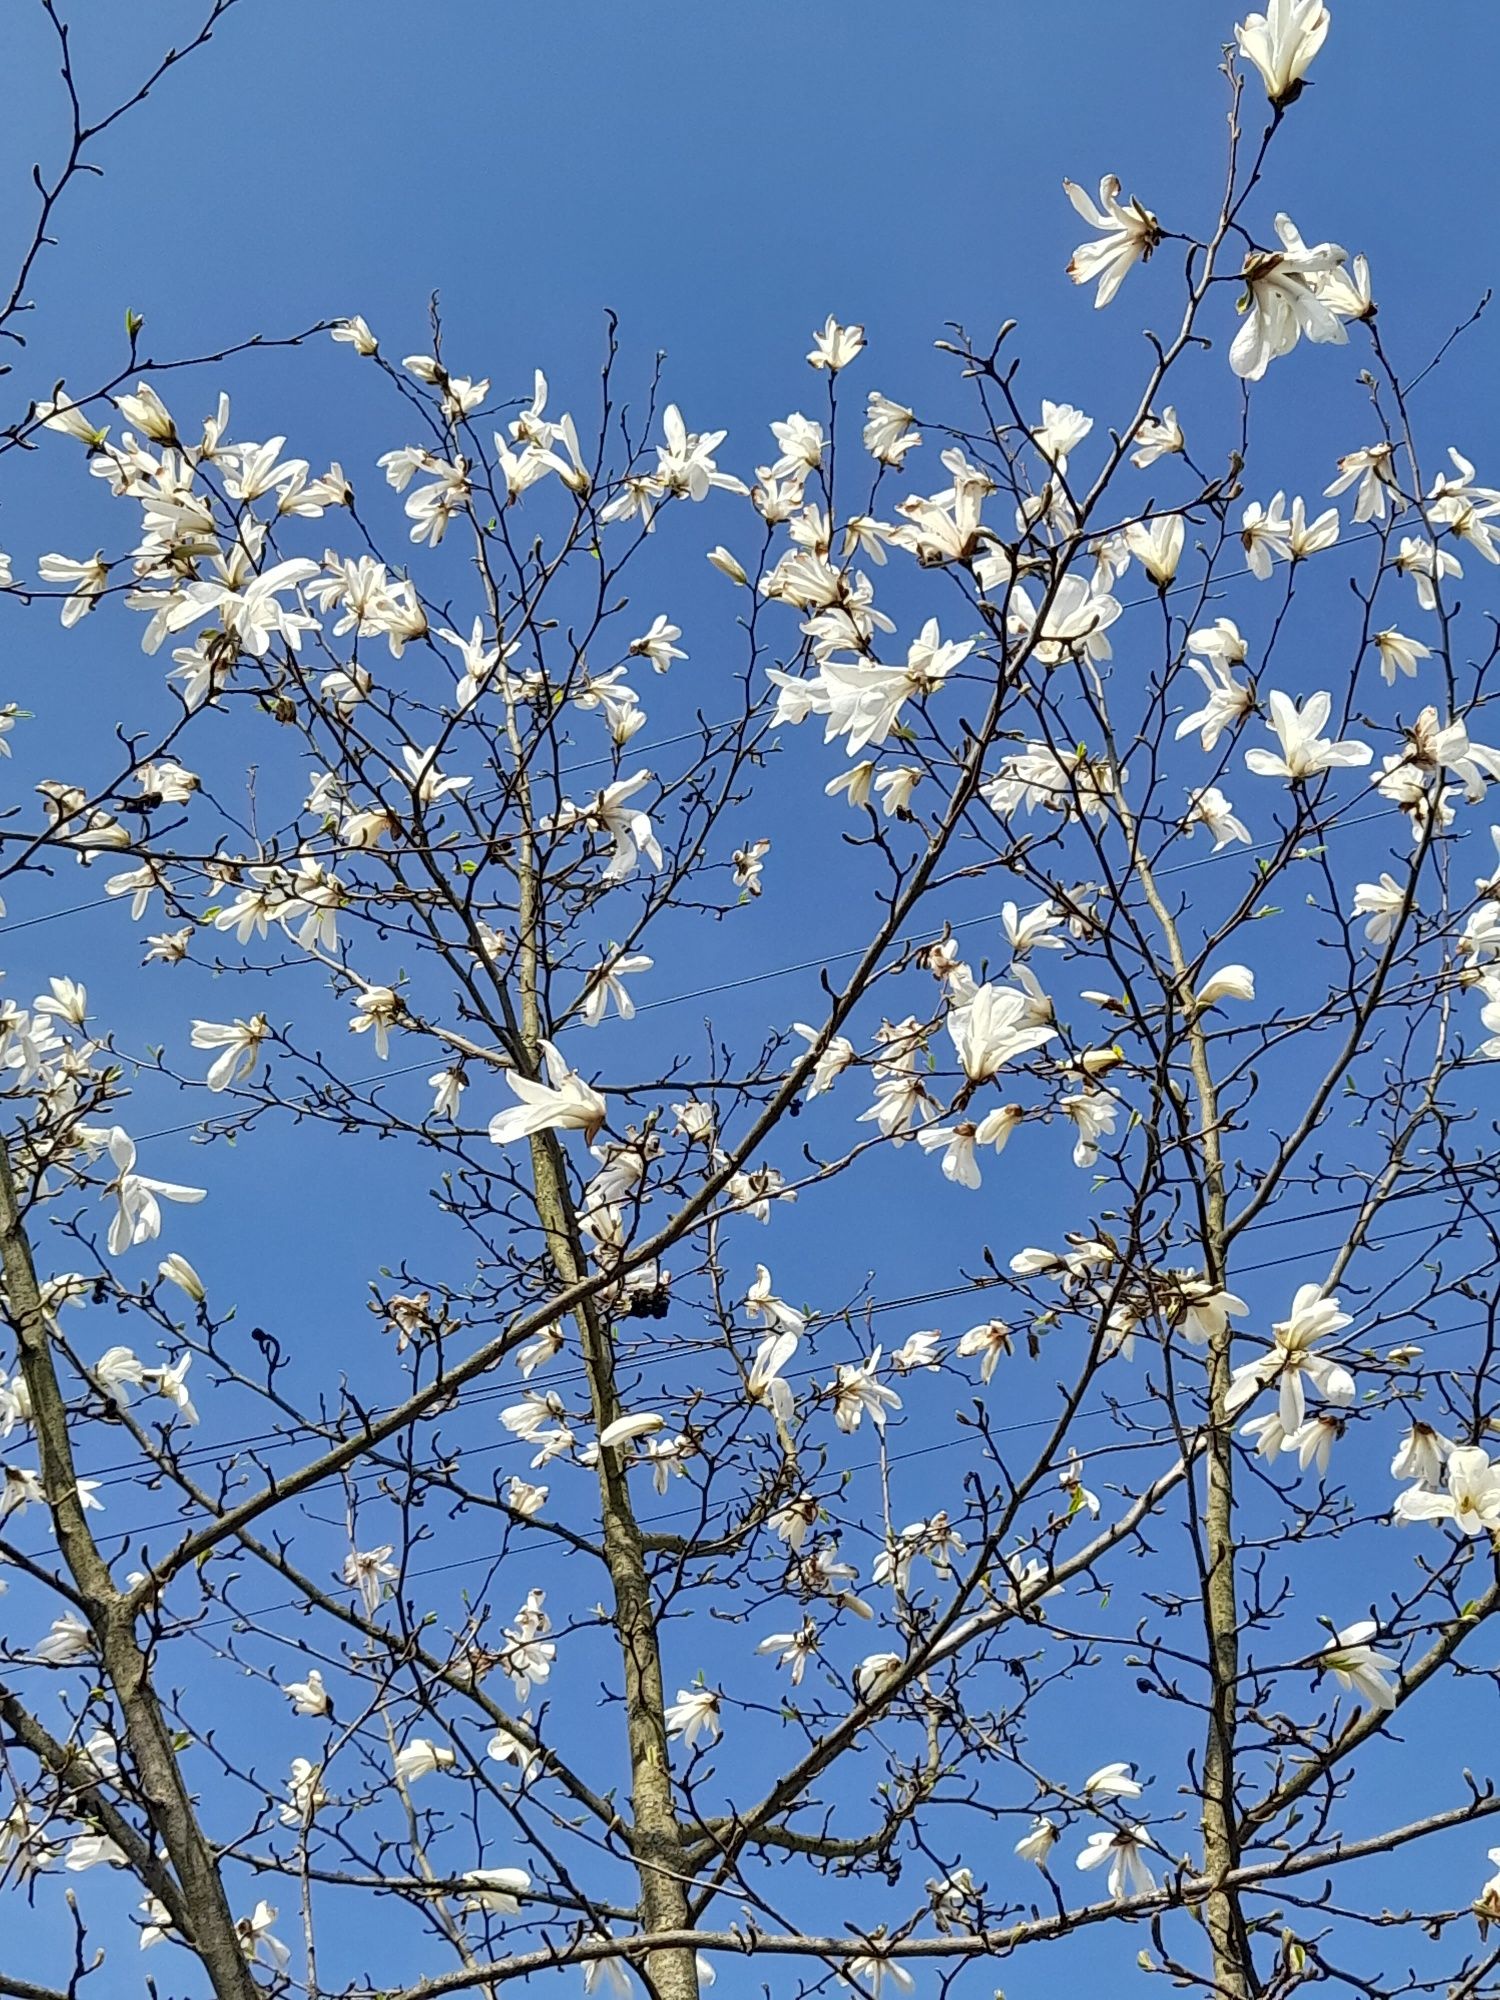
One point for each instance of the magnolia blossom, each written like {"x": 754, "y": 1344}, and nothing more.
{"x": 420, "y": 1757}
{"x": 239, "y": 1045}
{"x": 1094, "y": 1113}
{"x": 989, "y": 1341}
{"x": 858, "y": 1393}
{"x": 1229, "y": 702}
{"x": 761, "y": 1303}
{"x": 1209, "y": 808}
{"x": 1426, "y": 565}
{"x": 607, "y": 982}
{"x": 309, "y": 1697}
{"x": 1129, "y": 234}
{"x": 1157, "y": 437}
{"x": 1472, "y": 1499}
{"x": 1313, "y": 1317}
{"x": 137, "y": 1216}
{"x": 178, "y": 1271}
{"x": 1282, "y": 43}
{"x": 1062, "y": 429}
{"x": 1422, "y": 1455}
{"x": 695, "y": 1713}
{"x": 1206, "y": 1309}
{"x": 565, "y": 1103}
{"x": 1372, "y": 470}
{"x": 1112, "y": 1781}
{"x": 353, "y": 332}
{"x": 495, "y": 1891}
{"x": 1036, "y": 1844}
{"x": 959, "y": 1143}
{"x": 1073, "y": 624}
{"x": 865, "y": 701}
{"x": 870, "y": 1969}
{"x": 831, "y": 1063}
{"x": 1383, "y": 904}
{"x": 1285, "y": 302}
{"x": 1227, "y": 982}
{"x": 1355, "y": 1664}
{"x": 836, "y": 346}
{"x": 369, "y": 1570}
{"x": 1399, "y": 654}
{"x": 68, "y": 1638}
{"x": 1124, "y": 1850}
{"x": 257, "y": 1940}
{"x": 1157, "y": 546}
{"x": 918, "y": 1350}
{"x": 994, "y": 1026}
{"x": 1305, "y": 751}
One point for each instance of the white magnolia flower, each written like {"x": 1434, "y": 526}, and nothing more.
{"x": 1355, "y": 1664}
{"x": 761, "y": 1303}
{"x": 1382, "y": 904}
{"x": 1112, "y": 1781}
{"x": 1129, "y": 234}
{"x": 607, "y": 982}
{"x": 992, "y": 1027}
{"x": 918, "y": 1350}
{"x": 1157, "y": 546}
{"x": 1157, "y": 437}
{"x": 1227, "y": 982}
{"x": 178, "y": 1271}
{"x": 495, "y": 1891}
{"x": 1036, "y": 1844}
{"x": 353, "y": 332}
{"x": 1062, "y": 429}
{"x": 420, "y": 1757}
{"x": 695, "y": 1713}
{"x": 1208, "y": 807}
{"x": 1372, "y": 469}
{"x": 836, "y": 346}
{"x": 960, "y": 1142}
{"x": 565, "y": 1103}
{"x": 1285, "y": 300}
{"x": 238, "y": 1043}
{"x": 1399, "y": 654}
{"x": 68, "y": 1638}
{"x": 1094, "y": 1112}
{"x": 138, "y": 1197}
{"x": 1229, "y": 702}
{"x": 1471, "y": 1501}
{"x": 1282, "y": 43}
{"x": 369, "y": 1570}
{"x": 858, "y": 1393}
{"x": 1292, "y": 1355}
{"x": 257, "y": 1940}
{"x": 989, "y": 1341}
{"x": 1426, "y": 565}
{"x": 869, "y": 1969}
{"x": 305, "y": 1793}
{"x": 1073, "y": 626}
{"x": 309, "y": 1697}
{"x": 1305, "y": 751}
{"x": 1422, "y": 1455}
{"x": 1124, "y": 1850}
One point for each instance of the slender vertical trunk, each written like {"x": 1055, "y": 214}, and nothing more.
{"x": 159, "y": 1780}
{"x": 657, "y": 1842}
{"x": 656, "y": 1836}
{"x": 1234, "y": 1973}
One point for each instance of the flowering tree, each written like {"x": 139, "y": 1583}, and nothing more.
{"x": 624, "y": 1624}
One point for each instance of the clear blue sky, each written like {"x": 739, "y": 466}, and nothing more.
{"x": 722, "y": 177}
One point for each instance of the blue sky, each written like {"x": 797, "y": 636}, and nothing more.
{"x": 722, "y": 178}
